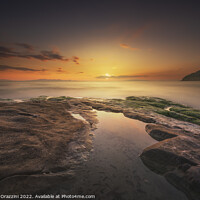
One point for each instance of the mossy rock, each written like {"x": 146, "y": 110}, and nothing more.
{"x": 187, "y": 111}
{"x": 61, "y": 98}
{"x": 179, "y": 116}
{"x": 2, "y": 99}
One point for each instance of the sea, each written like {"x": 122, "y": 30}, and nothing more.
{"x": 187, "y": 93}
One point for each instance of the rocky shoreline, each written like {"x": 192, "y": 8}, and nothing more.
{"x": 41, "y": 140}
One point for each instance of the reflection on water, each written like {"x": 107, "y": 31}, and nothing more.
{"x": 77, "y": 116}
{"x": 179, "y": 91}
{"x": 114, "y": 170}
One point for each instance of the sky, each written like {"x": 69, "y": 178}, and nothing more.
{"x": 97, "y": 40}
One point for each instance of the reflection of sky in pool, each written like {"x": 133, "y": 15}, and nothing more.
{"x": 114, "y": 169}
{"x": 77, "y": 116}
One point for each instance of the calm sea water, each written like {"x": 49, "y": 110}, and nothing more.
{"x": 182, "y": 92}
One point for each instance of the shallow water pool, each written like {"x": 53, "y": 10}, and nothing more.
{"x": 114, "y": 169}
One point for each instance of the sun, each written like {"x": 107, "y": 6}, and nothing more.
{"x": 107, "y": 75}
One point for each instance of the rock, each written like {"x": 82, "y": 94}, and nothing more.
{"x": 160, "y": 132}
{"x": 36, "y": 184}
{"x": 41, "y": 143}
{"x": 178, "y": 159}
{"x": 192, "y": 77}
{"x": 34, "y": 140}
{"x": 103, "y": 106}
{"x": 139, "y": 116}
{"x": 187, "y": 179}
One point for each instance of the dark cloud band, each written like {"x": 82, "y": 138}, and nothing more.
{"x": 6, "y": 52}
{"x": 6, "y": 67}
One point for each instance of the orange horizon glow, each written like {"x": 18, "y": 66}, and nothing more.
{"x": 92, "y": 64}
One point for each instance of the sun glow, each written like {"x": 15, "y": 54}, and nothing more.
{"x": 107, "y": 75}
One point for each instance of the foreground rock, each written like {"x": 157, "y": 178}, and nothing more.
{"x": 40, "y": 145}
{"x": 177, "y": 157}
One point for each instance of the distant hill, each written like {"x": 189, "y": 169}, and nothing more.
{"x": 192, "y": 77}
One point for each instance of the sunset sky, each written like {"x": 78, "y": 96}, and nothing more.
{"x": 99, "y": 40}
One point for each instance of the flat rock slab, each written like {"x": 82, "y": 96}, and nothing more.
{"x": 139, "y": 116}
{"x": 38, "y": 139}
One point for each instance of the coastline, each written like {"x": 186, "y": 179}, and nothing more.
{"x": 175, "y": 156}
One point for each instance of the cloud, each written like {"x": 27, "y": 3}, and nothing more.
{"x": 6, "y": 67}
{"x": 76, "y": 59}
{"x": 44, "y": 55}
{"x": 60, "y": 70}
{"x": 125, "y": 46}
{"x": 6, "y": 52}
{"x": 5, "y": 49}
{"x": 122, "y": 76}
{"x": 25, "y": 46}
